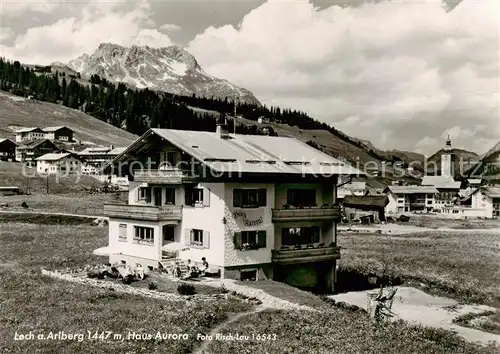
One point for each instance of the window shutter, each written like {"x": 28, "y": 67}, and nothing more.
{"x": 206, "y": 239}
{"x": 148, "y": 195}
{"x": 261, "y": 238}
{"x": 206, "y": 197}
{"x": 188, "y": 196}
{"x": 237, "y": 240}
{"x": 262, "y": 197}
{"x": 187, "y": 236}
{"x": 237, "y": 201}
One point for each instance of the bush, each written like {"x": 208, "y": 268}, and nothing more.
{"x": 223, "y": 289}
{"x": 152, "y": 286}
{"x": 186, "y": 289}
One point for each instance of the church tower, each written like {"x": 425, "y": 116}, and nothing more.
{"x": 447, "y": 160}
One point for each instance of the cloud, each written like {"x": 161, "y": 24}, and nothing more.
{"x": 123, "y": 23}
{"x": 169, "y": 27}
{"x": 396, "y": 73}
{"x": 18, "y": 7}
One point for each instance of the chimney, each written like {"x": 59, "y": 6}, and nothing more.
{"x": 111, "y": 147}
{"x": 222, "y": 129}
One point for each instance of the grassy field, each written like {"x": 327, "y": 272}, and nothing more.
{"x": 339, "y": 331}
{"x": 463, "y": 265}
{"x": 31, "y": 302}
{"x": 15, "y": 110}
{"x": 72, "y": 203}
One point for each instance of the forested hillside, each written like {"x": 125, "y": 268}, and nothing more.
{"x": 137, "y": 110}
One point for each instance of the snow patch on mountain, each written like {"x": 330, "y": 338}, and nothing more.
{"x": 170, "y": 69}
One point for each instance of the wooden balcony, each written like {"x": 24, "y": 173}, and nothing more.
{"x": 307, "y": 214}
{"x": 305, "y": 255}
{"x": 144, "y": 212}
{"x": 167, "y": 176}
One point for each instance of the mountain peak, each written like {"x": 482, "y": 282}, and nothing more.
{"x": 170, "y": 69}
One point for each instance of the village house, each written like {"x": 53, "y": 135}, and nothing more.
{"x": 95, "y": 158}
{"x": 7, "y": 150}
{"x": 366, "y": 208}
{"x": 406, "y": 199}
{"x": 58, "y": 163}
{"x": 357, "y": 188}
{"x": 29, "y": 151}
{"x": 256, "y": 207}
{"x": 481, "y": 202}
{"x": 60, "y": 133}
{"x": 29, "y": 134}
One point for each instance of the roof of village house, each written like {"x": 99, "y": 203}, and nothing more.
{"x": 441, "y": 182}
{"x": 248, "y": 153}
{"x": 26, "y": 130}
{"x": 490, "y": 191}
{"x": 95, "y": 150}
{"x": 31, "y": 144}
{"x": 474, "y": 180}
{"x": 6, "y": 139}
{"x": 54, "y": 129}
{"x": 412, "y": 189}
{"x": 376, "y": 201}
{"x": 53, "y": 156}
{"x": 116, "y": 151}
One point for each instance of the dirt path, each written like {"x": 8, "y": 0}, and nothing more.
{"x": 204, "y": 345}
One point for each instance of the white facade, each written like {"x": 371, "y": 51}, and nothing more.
{"x": 259, "y": 222}
{"x": 25, "y": 136}
{"x": 53, "y": 164}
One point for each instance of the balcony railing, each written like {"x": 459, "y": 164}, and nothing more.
{"x": 297, "y": 214}
{"x": 305, "y": 255}
{"x": 144, "y": 212}
{"x": 170, "y": 176}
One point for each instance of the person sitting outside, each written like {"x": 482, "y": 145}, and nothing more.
{"x": 189, "y": 265}
{"x": 204, "y": 265}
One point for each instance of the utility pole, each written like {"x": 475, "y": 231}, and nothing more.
{"x": 234, "y": 120}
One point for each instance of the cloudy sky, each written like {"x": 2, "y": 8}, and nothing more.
{"x": 402, "y": 74}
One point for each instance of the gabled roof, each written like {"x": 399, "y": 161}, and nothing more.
{"x": 27, "y": 130}
{"x": 116, "y": 151}
{"x": 53, "y": 156}
{"x": 54, "y": 129}
{"x": 492, "y": 192}
{"x": 6, "y": 139}
{"x": 247, "y": 153}
{"x": 98, "y": 150}
{"x": 34, "y": 143}
{"x": 412, "y": 189}
{"x": 445, "y": 182}
{"x": 376, "y": 201}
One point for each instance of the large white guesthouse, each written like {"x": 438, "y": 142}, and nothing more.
{"x": 254, "y": 206}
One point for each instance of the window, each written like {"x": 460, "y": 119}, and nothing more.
{"x": 249, "y": 275}
{"x": 300, "y": 235}
{"x": 197, "y": 196}
{"x": 122, "y": 232}
{"x": 170, "y": 196}
{"x": 145, "y": 194}
{"x": 249, "y": 198}
{"x": 144, "y": 235}
{"x": 250, "y": 240}
{"x": 199, "y": 238}
{"x": 170, "y": 157}
{"x": 301, "y": 197}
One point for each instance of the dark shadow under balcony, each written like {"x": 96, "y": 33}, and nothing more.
{"x": 307, "y": 214}
{"x": 144, "y": 212}
{"x": 305, "y": 255}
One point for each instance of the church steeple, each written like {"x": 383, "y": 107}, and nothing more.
{"x": 448, "y": 144}
{"x": 447, "y": 159}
